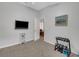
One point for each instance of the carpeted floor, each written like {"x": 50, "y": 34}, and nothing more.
{"x": 30, "y": 49}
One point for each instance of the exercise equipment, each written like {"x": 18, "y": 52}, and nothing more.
{"x": 66, "y": 50}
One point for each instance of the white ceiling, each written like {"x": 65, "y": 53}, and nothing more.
{"x": 39, "y": 5}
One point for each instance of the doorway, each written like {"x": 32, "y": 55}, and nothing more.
{"x": 42, "y": 29}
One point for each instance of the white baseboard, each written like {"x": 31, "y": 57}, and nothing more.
{"x": 12, "y": 44}
{"x": 49, "y": 42}
{"x": 9, "y": 45}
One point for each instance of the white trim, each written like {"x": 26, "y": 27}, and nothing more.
{"x": 49, "y": 42}
{"x": 9, "y": 45}
{"x": 12, "y": 44}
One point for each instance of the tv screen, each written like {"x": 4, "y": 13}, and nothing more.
{"x": 21, "y": 25}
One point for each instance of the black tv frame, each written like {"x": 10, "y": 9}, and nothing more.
{"x": 19, "y": 26}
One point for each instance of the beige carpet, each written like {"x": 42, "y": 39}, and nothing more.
{"x": 30, "y": 49}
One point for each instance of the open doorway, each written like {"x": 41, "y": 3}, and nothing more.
{"x": 42, "y": 29}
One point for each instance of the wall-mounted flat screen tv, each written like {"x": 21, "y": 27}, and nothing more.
{"x": 21, "y": 24}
